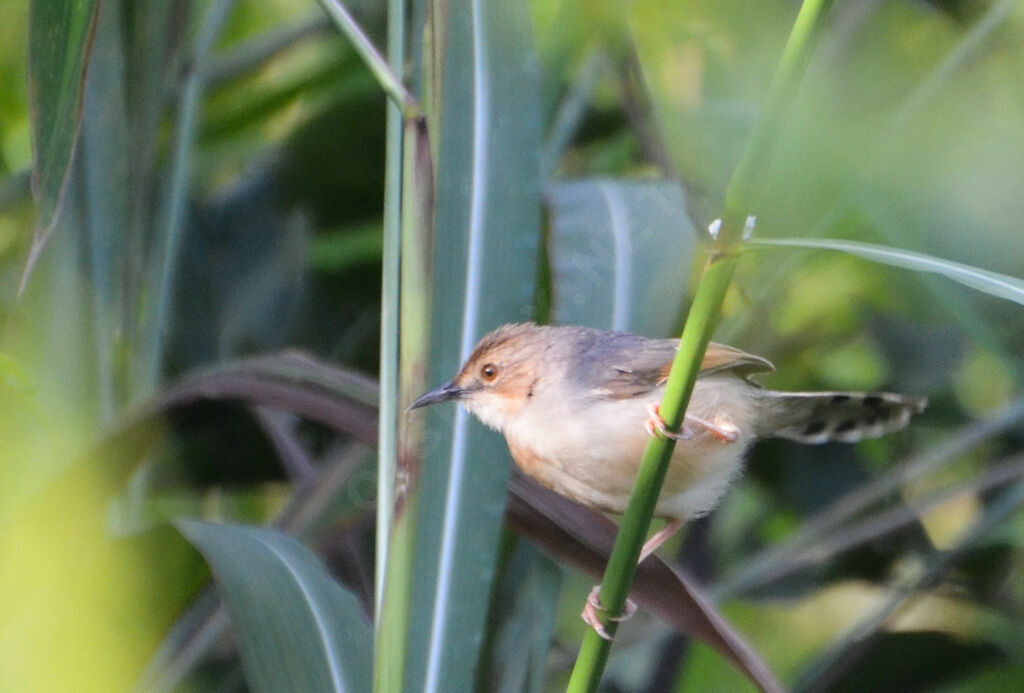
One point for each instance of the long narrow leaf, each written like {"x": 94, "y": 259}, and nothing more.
{"x": 104, "y": 177}
{"x": 296, "y": 628}
{"x": 487, "y": 130}
{"x": 524, "y": 607}
{"x": 382, "y": 70}
{"x": 164, "y": 263}
{"x": 400, "y": 480}
{"x": 60, "y": 35}
{"x": 992, "y": 283}
{"x": 771, "y": 563}
{"x": 825, "y": 673}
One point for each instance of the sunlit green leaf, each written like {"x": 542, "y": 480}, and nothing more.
{"x": 992, "y": 283}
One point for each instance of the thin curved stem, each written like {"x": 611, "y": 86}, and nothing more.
{"x": 699, "y": 325}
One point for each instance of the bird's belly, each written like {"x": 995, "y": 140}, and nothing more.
{"x": 594, "y": 459}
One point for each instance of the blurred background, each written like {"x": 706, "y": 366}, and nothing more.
{"x": 188, "y": 305}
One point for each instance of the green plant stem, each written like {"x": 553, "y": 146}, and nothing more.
{"x": 637, "y": 519}
{"x": 395, "y": 605}
{"x": 700, "y": 323}
{"x": 792, "y": 66}
{"x": 387, "y": 666}
{"x": 387, "y": 448}
{"x": 389, "y": 81}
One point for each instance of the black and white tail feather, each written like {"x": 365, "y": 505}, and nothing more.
{"x": 822, "y": 417}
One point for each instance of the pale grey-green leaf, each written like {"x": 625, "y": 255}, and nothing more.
{"x": 620, "y": 254}
{"x": 296, "y": 628}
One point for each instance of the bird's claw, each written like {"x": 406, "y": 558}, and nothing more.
{"x": 593, "y": 605}
{"x": 655, "y": 425}
{"x": 725, "y": 431}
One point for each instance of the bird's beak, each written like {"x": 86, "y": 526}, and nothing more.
{"x": 438, "y": 394}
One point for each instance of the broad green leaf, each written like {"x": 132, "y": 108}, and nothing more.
{"x": 992, "y": 283}
{"x": 296, "y": 628}
{"x": 486, "y": 249}
{"x": 60, "y": 33}
{"x": 620, "y": 253}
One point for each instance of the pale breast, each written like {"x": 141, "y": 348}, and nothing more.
{"x": 593, "y": 456}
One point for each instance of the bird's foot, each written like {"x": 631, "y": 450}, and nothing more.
{"x": 591, "y": 608}
{"x": 655, "y": 425}
{"x": 724, "y": 430}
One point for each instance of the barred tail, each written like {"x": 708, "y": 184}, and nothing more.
{"x": 820, "y": 417}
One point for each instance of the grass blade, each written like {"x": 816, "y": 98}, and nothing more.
{"x": 382, "y": 70}
{"x": 387, "y": 449}
{"x": 774, "y": 562}
{"x": 104, "y": 178}
{"x": 992, "y": 283}
{"x": 171, "y": 216}
{"x": 824, "y": 674}
{"x": 60, "y": 38}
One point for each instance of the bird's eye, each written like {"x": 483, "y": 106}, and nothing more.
{"x": 489, "y": 372}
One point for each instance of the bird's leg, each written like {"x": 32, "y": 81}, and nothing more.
{"x": 659, "y": 538}
{"x": 725, "y": 431}
{"x": 592, "y": 606}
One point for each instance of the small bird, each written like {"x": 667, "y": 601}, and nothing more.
{"x": 576, "y": 406}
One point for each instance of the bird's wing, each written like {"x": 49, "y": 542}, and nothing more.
{"x": 637, "y": 371}
{"x": 722, "y": 357}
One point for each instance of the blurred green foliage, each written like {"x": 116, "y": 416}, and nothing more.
{"x": 908, "y": 132}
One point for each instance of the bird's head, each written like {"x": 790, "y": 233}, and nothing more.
{"x": 498, "y": 378}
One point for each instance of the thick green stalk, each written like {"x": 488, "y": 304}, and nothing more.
{"x": 392, "y": 623}
{"x": 697, "y": 333}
